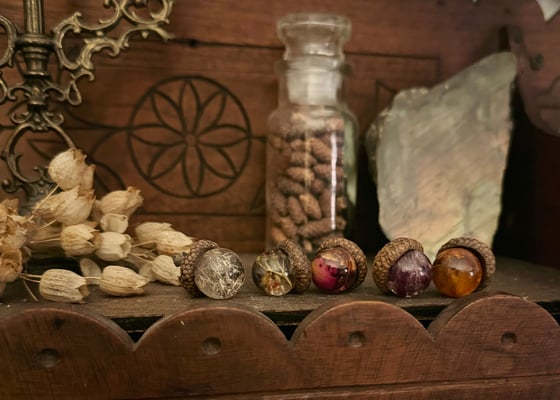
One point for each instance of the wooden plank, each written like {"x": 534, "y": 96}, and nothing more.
{"x": 347, "y": 347}
{"x": 533, "y": 282}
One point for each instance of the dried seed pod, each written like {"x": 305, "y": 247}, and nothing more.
{"x": 173, "y": 242}
{"x": 316, "y": 228}
{"x": 164, "y": 270}
{"x": 122, "y": 281}
{"x": 146, "y": 271}
{"x": 67, "y": 169}
{"x": 86, "y": 183}
{"x": 113, "y": 246}
{"x": 323, "y": 171}
{"x": 302, "y": 159}
{"x": 289, "y": 187}
{"x": 68, "y": 207}
{"x": 317, "y": 187}
{"x": 279, "y": 203}
{"x": 79, "y": 240}
{"x": 310, "y": 205}
{"x": 282, "y": 269}
{"x": 63, "y": 286}
{"x": 90, "y": 271}
{"x": 296, "y": 211}
{"x": 211, "y": 270}
{"x": 463, "y": 265}
{"x": 277, "y": 235}
{"x": 15, "y": 232}
{"x": 148, "y": 232}
{"x": 338, "y": 265}
{"x": 11, "y": 264}
{"x": 288, "y": 226}
{"x": 301, "y": 175}
{"x": 121, "y": 202}
{"x": 320, "y": 150}
{"x": 402, "y": 268}
{"x": 114, "y": 223}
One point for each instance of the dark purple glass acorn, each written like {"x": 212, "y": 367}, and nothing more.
{"x": 402, "y": 268}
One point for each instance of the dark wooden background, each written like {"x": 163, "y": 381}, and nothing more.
{"x": 224, "y": 51}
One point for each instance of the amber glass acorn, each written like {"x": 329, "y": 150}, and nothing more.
{"x": 463, "y": 265}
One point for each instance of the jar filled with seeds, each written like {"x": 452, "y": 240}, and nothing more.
{"x": 312, "y": 140}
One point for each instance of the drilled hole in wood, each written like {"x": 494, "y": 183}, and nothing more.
{"x": 48, "y": 358}
{"x": 509, "y": 339}
{"x": 212, "y": 346}
{"x": 356, "y": 339}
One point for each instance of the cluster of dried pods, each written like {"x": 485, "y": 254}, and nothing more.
{"x": 70, "y": 220}
{"x": 308, "y": 201}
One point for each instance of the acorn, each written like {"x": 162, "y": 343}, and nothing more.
{"x": 338, "y": 265}
{"x": 210, "y": 270}
{"x": 402, "y": 268}
{"x": 462, "y": 266}
{"x": 283, "y": 269}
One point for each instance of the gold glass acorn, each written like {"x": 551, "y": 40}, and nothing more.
{"x": 338, "y": 265}
{"x": 402, "y": 268}
{"x": 463, "y": 265}
{"x": 210, "y": 270}
{"x": 281, "y": 270}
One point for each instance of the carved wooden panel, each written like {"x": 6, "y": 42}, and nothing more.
{"x": 496, "y": 346}
{"x": 186, "y": 121}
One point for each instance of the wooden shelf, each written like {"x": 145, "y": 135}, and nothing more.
{"x": 359, "y": 345}
{"x": 532, "y": 282}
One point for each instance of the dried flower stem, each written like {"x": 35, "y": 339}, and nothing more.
{"x": 55, "y": 239}
{"x": 38, "y": 206}
{"x": 26, "y": 286}
{"x": 144, "y": 243}
{"x": 46, "y": 225}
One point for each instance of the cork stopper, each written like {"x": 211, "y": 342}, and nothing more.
{"x": 301, "y": 268}
{"x": 388, "y": 256}
{"x": 481, "y": 251}
{"x": 354, "y": 251}
{"x": 189, "y": 263}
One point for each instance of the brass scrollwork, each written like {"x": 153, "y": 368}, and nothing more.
{"x": 38, "y": 88}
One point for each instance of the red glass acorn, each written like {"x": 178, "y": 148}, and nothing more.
{"x": 338, "y": 265}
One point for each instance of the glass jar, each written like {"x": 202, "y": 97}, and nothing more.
{"x": 312, "y": 141}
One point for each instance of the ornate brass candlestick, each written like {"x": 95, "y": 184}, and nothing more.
{"x": 38, "y": 87}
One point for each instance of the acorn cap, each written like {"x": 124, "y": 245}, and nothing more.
{"x": 481, "y": 251}
{"x": 388, "y": 256}
{"x": 189, "y": 263}
{"x": 354, "y": 251}
{"x": 301, "y": 267}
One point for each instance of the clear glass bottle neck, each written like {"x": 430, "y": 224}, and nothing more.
{"x": 312, "y": 85}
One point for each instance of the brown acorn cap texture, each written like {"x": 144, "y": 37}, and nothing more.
{"x": 354, "y": 251}
{"x": 301, "y": 267}
{"x": 388, "y": 256}
{"x": 481, "y": 251}
{"x": 189, "y": 263}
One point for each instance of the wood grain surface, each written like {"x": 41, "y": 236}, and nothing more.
{"x": 493, "y": 345}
